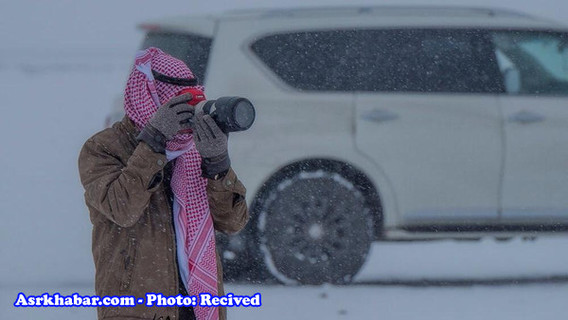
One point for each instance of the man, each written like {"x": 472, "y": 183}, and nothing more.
{"x": 157, "y": 184}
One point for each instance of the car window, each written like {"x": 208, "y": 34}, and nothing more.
{"x": 191, "y": 49}
{"x": 404, "y": 60}
{"x": 534, "y": 63}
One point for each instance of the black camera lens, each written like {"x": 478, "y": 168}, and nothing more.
{"x": 231, "y": 113}
{"x": 244, "y": 114}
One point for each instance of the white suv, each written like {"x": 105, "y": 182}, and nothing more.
{"x": 384, "y": 124}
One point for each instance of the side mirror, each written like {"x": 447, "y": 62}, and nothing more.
{"x": 512, "y": 80}
{"x": 564, "y": 53}
{"x": 511, "y": 74}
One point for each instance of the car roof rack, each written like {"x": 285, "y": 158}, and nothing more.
{"x": 382, "y": 10}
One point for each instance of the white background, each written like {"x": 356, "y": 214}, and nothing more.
{"x": 62, "y": 63}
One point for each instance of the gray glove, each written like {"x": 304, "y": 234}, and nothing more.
{"x": 211, "y": 143}
{"x": 172, "y": 117}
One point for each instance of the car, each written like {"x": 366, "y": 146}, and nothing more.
{"x": 383, "y": 124}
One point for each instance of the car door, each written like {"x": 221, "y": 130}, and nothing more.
{"x": 535, "y": 181}
{"x": 429, "y": 117}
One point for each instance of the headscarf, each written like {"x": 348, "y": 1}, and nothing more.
{"x": 192, "y": 219}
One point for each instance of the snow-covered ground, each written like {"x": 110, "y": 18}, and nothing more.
{"x": 509, "y": 302}
{"x": 62, "y": 63}
{"x": 434, "y": 280}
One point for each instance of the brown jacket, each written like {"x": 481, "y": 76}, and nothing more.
{"x": 133, "y": 242}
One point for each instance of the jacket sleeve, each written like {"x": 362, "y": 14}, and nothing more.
{"x": 227, "y": 203}
{"x": 120, "y": 192}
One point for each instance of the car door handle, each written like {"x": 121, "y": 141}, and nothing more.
{"x": 378, "y": 115}
{"x": 526, "y": 117}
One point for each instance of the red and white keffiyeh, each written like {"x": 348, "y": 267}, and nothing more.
{"x": 192, "y": 219}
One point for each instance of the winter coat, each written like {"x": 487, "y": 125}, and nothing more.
{"x": 133, "y": 239}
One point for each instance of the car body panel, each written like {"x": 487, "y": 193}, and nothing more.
{"x": 442, "y": 153}
{"x": 535, "y": 181}
{"x": 392, "y": 138}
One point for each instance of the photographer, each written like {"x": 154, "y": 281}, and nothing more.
{"x": 157, "y": 185}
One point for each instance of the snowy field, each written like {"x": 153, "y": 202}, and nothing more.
{"x": 509, "y": 302}
{"x": 56, "y": 86}
{"x": 435, "y": 280}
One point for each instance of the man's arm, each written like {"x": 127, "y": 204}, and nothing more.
{"x": 227, "y": 194}
{"x": 227, "y": 203}
{"x": 121, "y": 193}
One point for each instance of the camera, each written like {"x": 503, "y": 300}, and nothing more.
{"x": 230, "y": 113}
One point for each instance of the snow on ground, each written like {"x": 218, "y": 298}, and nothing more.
{"x": 58, "y": 77}
{"x": 419, "y": 280}
{"x": 513, "y": 302}
{"x": 474, "y": 260}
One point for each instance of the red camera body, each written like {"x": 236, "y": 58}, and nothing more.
{"x": 196, "y": 94}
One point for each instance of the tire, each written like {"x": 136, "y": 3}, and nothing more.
{"x": 235, "y": 267}
{"x": 240, "y": 260}
{"x": 314, "y": 227}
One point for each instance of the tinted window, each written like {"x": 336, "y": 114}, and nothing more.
{"x": 384, "y": 60}
{"x": 534, "y": 63}
{"x": 191, "y": 49}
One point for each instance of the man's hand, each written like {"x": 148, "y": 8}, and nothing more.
{"x": 211, "y": 143}
{"x": 171, "y": 117}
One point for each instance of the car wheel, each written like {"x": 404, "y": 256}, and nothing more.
{"x": 235, "y": 267}
{"x": 240, "y": 258}
{"x": 315, "y": 227}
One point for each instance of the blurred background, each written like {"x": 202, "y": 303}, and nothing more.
{"x": 63, "y": 64}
